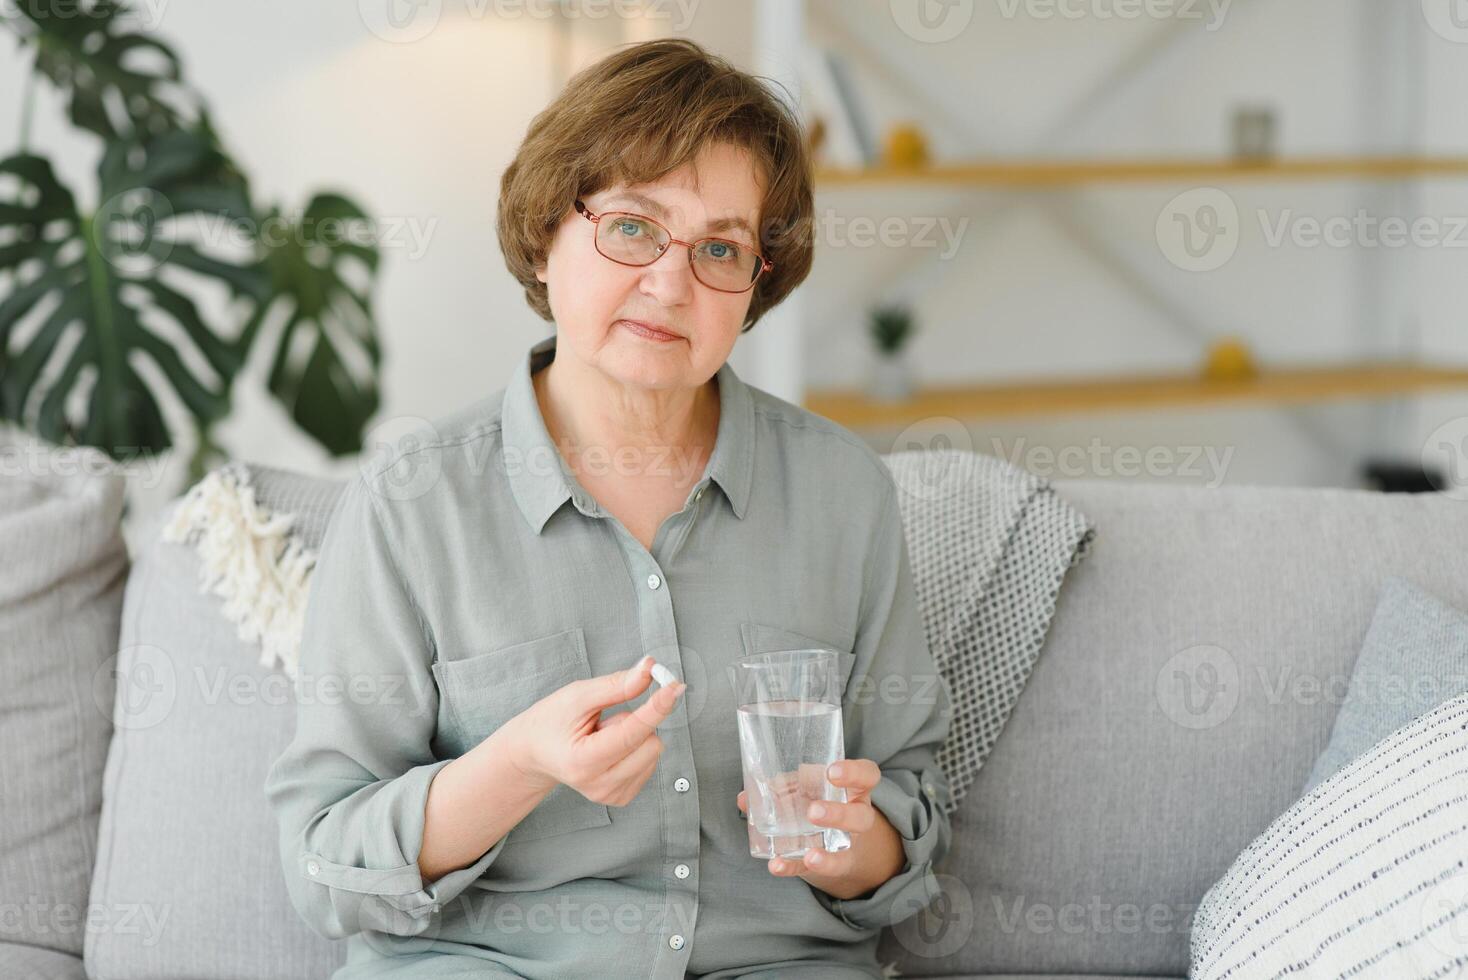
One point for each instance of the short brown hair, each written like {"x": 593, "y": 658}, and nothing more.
{"x": 664, "y": 100}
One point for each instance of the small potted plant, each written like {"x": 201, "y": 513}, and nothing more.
{"x": 891, "y": 327}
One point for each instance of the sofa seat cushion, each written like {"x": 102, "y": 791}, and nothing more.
{"x": 19, "y": 962}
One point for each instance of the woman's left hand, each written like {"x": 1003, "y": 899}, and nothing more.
{"x": 875, "y": 854}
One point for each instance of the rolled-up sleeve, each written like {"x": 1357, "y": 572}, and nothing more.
{"x": 897, "y": 713}
{"x": 349, "y": 790}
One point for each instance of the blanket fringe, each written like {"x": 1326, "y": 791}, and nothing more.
{"x": 250, "y": 559}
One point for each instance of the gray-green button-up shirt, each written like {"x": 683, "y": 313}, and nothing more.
{"x": 468, "y": 575}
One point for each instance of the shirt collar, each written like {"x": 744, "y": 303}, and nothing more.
{"x": 540, "y": 479}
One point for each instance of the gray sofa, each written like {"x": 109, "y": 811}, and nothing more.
{"x": 1188, "y": 682}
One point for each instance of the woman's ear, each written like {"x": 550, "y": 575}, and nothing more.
{"x": 540, "y": 272}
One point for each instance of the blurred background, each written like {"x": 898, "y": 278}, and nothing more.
{"x": 1210, "y": 241}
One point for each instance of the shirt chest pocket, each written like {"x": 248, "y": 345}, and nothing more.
{"x": 481, "y": 692}
{"x": 764, "y": 638}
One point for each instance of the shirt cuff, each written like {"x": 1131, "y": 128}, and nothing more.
{"x": 392, "y": 897}
{"x": 913, "y": 803}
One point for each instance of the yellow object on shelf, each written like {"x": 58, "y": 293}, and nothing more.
{"x": 1230, "y": 360}
{"x": 905, "y": 147}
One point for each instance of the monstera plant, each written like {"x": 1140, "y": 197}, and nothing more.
{"x": 174, "y": 274}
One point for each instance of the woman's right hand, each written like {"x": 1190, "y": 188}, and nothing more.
{"x": 562, "y": 738}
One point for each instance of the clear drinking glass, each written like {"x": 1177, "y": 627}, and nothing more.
{"x": 789, "y": 712}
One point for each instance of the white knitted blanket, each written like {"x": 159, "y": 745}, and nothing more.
{"x": 990, "y": 545}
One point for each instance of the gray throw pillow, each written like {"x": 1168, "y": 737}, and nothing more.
{"x": 61, "y": 583}
{"x": 1414, "y": 658}
{"x": 187, "y": 838}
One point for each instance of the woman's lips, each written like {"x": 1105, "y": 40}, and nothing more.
{"x": 648, "y": 333}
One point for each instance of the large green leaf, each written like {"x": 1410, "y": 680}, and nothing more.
{"x": 106, "y": 291}
{"x": 121, "y": 83}
{"x": 326, "y": 359}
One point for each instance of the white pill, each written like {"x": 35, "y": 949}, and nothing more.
{"x": 662, "y": 675}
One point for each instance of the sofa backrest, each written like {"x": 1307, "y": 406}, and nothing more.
{"x": 1190, "y": 678}
{"x": 1189, "y": 681}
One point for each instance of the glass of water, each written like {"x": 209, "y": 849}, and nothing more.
{"x": 789, "y": 713}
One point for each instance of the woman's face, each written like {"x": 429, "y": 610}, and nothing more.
{"x": 590, "y": 294}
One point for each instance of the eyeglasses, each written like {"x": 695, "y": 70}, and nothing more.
{"x": 635, "y": 239}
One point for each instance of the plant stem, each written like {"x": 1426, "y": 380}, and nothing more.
{"x": 27, "y": 104}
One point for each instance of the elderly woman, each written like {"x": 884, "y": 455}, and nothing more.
{"x": 492, "y": 785}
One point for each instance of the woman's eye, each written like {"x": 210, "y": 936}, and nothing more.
{"x": 630, "y": 228}
{"x": 722, "y": 251}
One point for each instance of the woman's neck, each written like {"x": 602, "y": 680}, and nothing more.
{"x": 658, "y": 434}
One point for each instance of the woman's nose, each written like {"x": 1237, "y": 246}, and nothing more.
{"x": 669, "y": 277}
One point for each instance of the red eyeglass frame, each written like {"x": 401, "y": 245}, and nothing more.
{"x": 765, "y": 264}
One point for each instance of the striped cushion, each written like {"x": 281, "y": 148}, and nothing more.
{"x": 1366, "y": 876}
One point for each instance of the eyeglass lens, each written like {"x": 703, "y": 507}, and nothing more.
{"x": 637, "y": 241}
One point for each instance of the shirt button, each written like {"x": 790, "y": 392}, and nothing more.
{"x": 699, "y": 494}
{"x": 680, "y": 784}
{"x": 653, "y": 581}
{"x": 681, "y": 871}
{"x": 928, "y": 788}
{"x": 312, "y": 868}
{"x": 675, "y": 941}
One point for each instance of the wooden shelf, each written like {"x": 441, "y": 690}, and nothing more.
{"x": 1057, "y": 173}
{"x": 1298, "y": 385}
